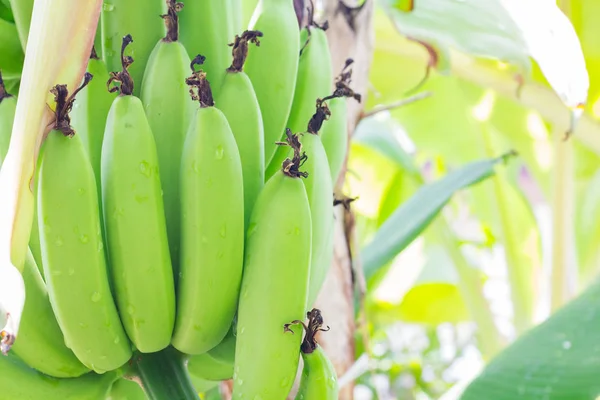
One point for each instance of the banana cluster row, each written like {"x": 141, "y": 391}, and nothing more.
{"x": 189, "y": 203}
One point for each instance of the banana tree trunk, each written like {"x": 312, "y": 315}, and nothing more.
{"x": 350, "y": 35}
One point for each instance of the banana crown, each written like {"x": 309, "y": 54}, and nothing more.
{"x": 64, "y": 105}
{"x": 240, "y": 49}
{"x": 123, "y": 77}
{"x": 314, "y": 326}
{"x": 172, "y": 20}
{"x": 198, "y": 81}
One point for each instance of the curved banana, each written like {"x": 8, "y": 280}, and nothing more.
{"x": 205, "y": 366}
{"x": 169, "y": 110}
{"x": 41, "y": 344}
{"x": 206, "y": 28}
{"x": 18, "y": 381}
{"x": 319, "y": 379}
{"x": 334, "y": 133}
{"x": 8, "y": 105}
{"x": 238, "y": 102}
{"x": 272, "y": 67}
{"x": 314, "y": 81}
{"x": 138, "y": 18}
{"x": 72, "y": 248}
{"x": 224, "y": 352}
{"x": 274, "y": 286}
{"x": 124, "y": 389}
{"x": 320, "y": 197}
{"x": 212, "y": 227}
{"x": 134, "y": 217}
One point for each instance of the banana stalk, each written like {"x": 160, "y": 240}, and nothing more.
{"x": 59, "y": 27}
{"x": 238, "y": 102}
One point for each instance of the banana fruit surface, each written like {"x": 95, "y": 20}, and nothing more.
{"x": 314, "y": 81}
{"x": 212, "y": 226}
{"x": 134, "y": 218}
{"x": 274, "y": 286}
{"x": 238, "y": 102}
{"x": 272, "y": 67}
{"x": 169, "y": 109}
{"x": 72, "y": 248}
{"x": 41, "y": 343}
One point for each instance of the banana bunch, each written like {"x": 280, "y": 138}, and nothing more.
{"x": 184, "y": 208}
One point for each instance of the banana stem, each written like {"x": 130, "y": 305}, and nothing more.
{"x": 164, "y": 375}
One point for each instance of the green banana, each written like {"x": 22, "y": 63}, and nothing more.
{"x": 212, "y": 227}
{"x": 138, "y": 18}
{"x": 134, "y": 218}
{"x": 334, "y": 133}
{"x": 72, "y": 248}
{"x": 41, "y": 343}
{"x": 18, "y": 381}
{"x": 320, "y": 197}
{"x": 205, "y": 29}
{"x": 90, "y": 110}
{"x": 224, "y": 352}
{"x": 22, "y": 11}
{"x": 319, "y": 380}
{"x": 314, "y": 81}
{"x": 272, "y": 68}
{"x": 124, "y": 389}
{"x": 8, "y": 105}
{"x": 274, "y": 286}
{"x": 11, "y": 53}
{"x": 169, "y": 110}
{"x": 5, "y": 11}
{"x": 238, "y": 102}
{"x": 205, "y": 366}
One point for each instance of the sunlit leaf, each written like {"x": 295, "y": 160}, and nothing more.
{"x": 453, "y": 23}
{"x": 559, "y": 359}
{"x": 413, "y": 216}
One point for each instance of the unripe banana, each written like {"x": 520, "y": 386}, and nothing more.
{"x": 72, "y": 248}
{"x": 235, "y": 17}
{"x": 334, "y": 136}
{"x": 170, "y": 110}
{"x": 319, "y": 380}
{"x": 20, "y": 382}
{"x": 22, "y": 10}
{"x": 272, "y": 68}
{"x": 320, "y": 197}
{"x": 212, "y": 227}
{"x": 138, "y": 18}
{"x": 334, "y": 133}
{"x": 224, "y": 352}
{"x": 314, "y": 81}
{"x": 41, "y": 344}
{"x": 8, "y": 104}
{"x": 238, "y": 102}
{"x": 274, "y": 286}
{"x": 205, "y": 366}
{"x": 136, "y": 230}
{"x": 88, "y": 116}
{"x": 206, "y": 28}
{"x": 124, "y": 389}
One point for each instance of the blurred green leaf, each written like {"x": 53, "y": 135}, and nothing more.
{"x": 5, "y": 12}
{"x": 559, "y": 359}
{"x": 445, "y": 23}
{"x": 413, "y": 216}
